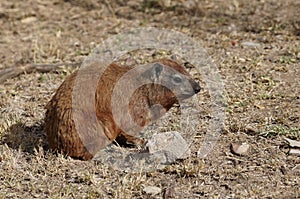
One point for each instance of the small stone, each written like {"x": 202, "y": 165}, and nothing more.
{"x": 93, "y": 44}
{"x": 250, "y": 44}
{"x": 294, "y": 152}
{"x": 28, "y": 20}
{"x": 77, "y": 44}
{"x": 152, "y": 190}
{"x": 58, "y": 34}
{"x": 171, "y": 142}
{"x": 293, "y": 143}
{"x": 234, "y": 42}
{"x": 251, "y": 130}
{"x": 242, "y": 60}
{"x": 240, "y": 149}
{"x": 166, "y": 3}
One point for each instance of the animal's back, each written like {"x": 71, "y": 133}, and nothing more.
{"x": 59, "y": 124}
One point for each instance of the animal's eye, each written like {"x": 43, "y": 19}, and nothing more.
{"x": 177, "y": 79}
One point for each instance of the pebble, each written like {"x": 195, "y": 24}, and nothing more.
{"x": 240, "y": 149}
{"x": 171, "y": 142}
{"x": 250, "y": 44}
{"x": 28, "y": 20}
{"x": 152, "y": 190}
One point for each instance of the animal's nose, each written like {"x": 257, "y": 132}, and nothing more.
{"x": 197, "y": 88}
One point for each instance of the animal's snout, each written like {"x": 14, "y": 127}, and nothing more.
{"x": 197, "y": 88}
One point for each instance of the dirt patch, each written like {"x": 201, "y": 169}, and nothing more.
{"x": 256, "y": 46}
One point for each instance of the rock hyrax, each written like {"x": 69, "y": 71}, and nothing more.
{"x": 168, "y": 83}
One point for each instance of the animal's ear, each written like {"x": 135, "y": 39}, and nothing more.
{"x": 154, "y": 72}
{"x": 157, "y": 69}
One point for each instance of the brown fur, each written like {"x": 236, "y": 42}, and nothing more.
{"x": 148, "y": 103}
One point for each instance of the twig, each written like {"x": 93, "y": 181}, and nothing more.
{"x": 12, "y": 72}
{"x": 110, "y": 8}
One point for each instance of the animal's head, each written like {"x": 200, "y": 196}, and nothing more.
{"x": 173, "y": 78}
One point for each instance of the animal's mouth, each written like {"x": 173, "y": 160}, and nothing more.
{"x": 186, "y": 95}
{"x": 190, "y": 93}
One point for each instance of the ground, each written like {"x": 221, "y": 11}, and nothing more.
{"x": 261, "y": 80}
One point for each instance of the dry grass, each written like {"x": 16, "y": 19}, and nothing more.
{"x": 262, "y": 86}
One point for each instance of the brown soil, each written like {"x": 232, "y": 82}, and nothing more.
{"x": 262, "y": 93}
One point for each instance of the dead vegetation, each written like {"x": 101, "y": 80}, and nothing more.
{"x": 256, "y": 46}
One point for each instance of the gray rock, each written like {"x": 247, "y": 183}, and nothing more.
{"x": 172, "y": 143}
{"x": 161, "y": 149}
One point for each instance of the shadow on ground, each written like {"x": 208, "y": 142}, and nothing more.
{"x": 26, "y": 138}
